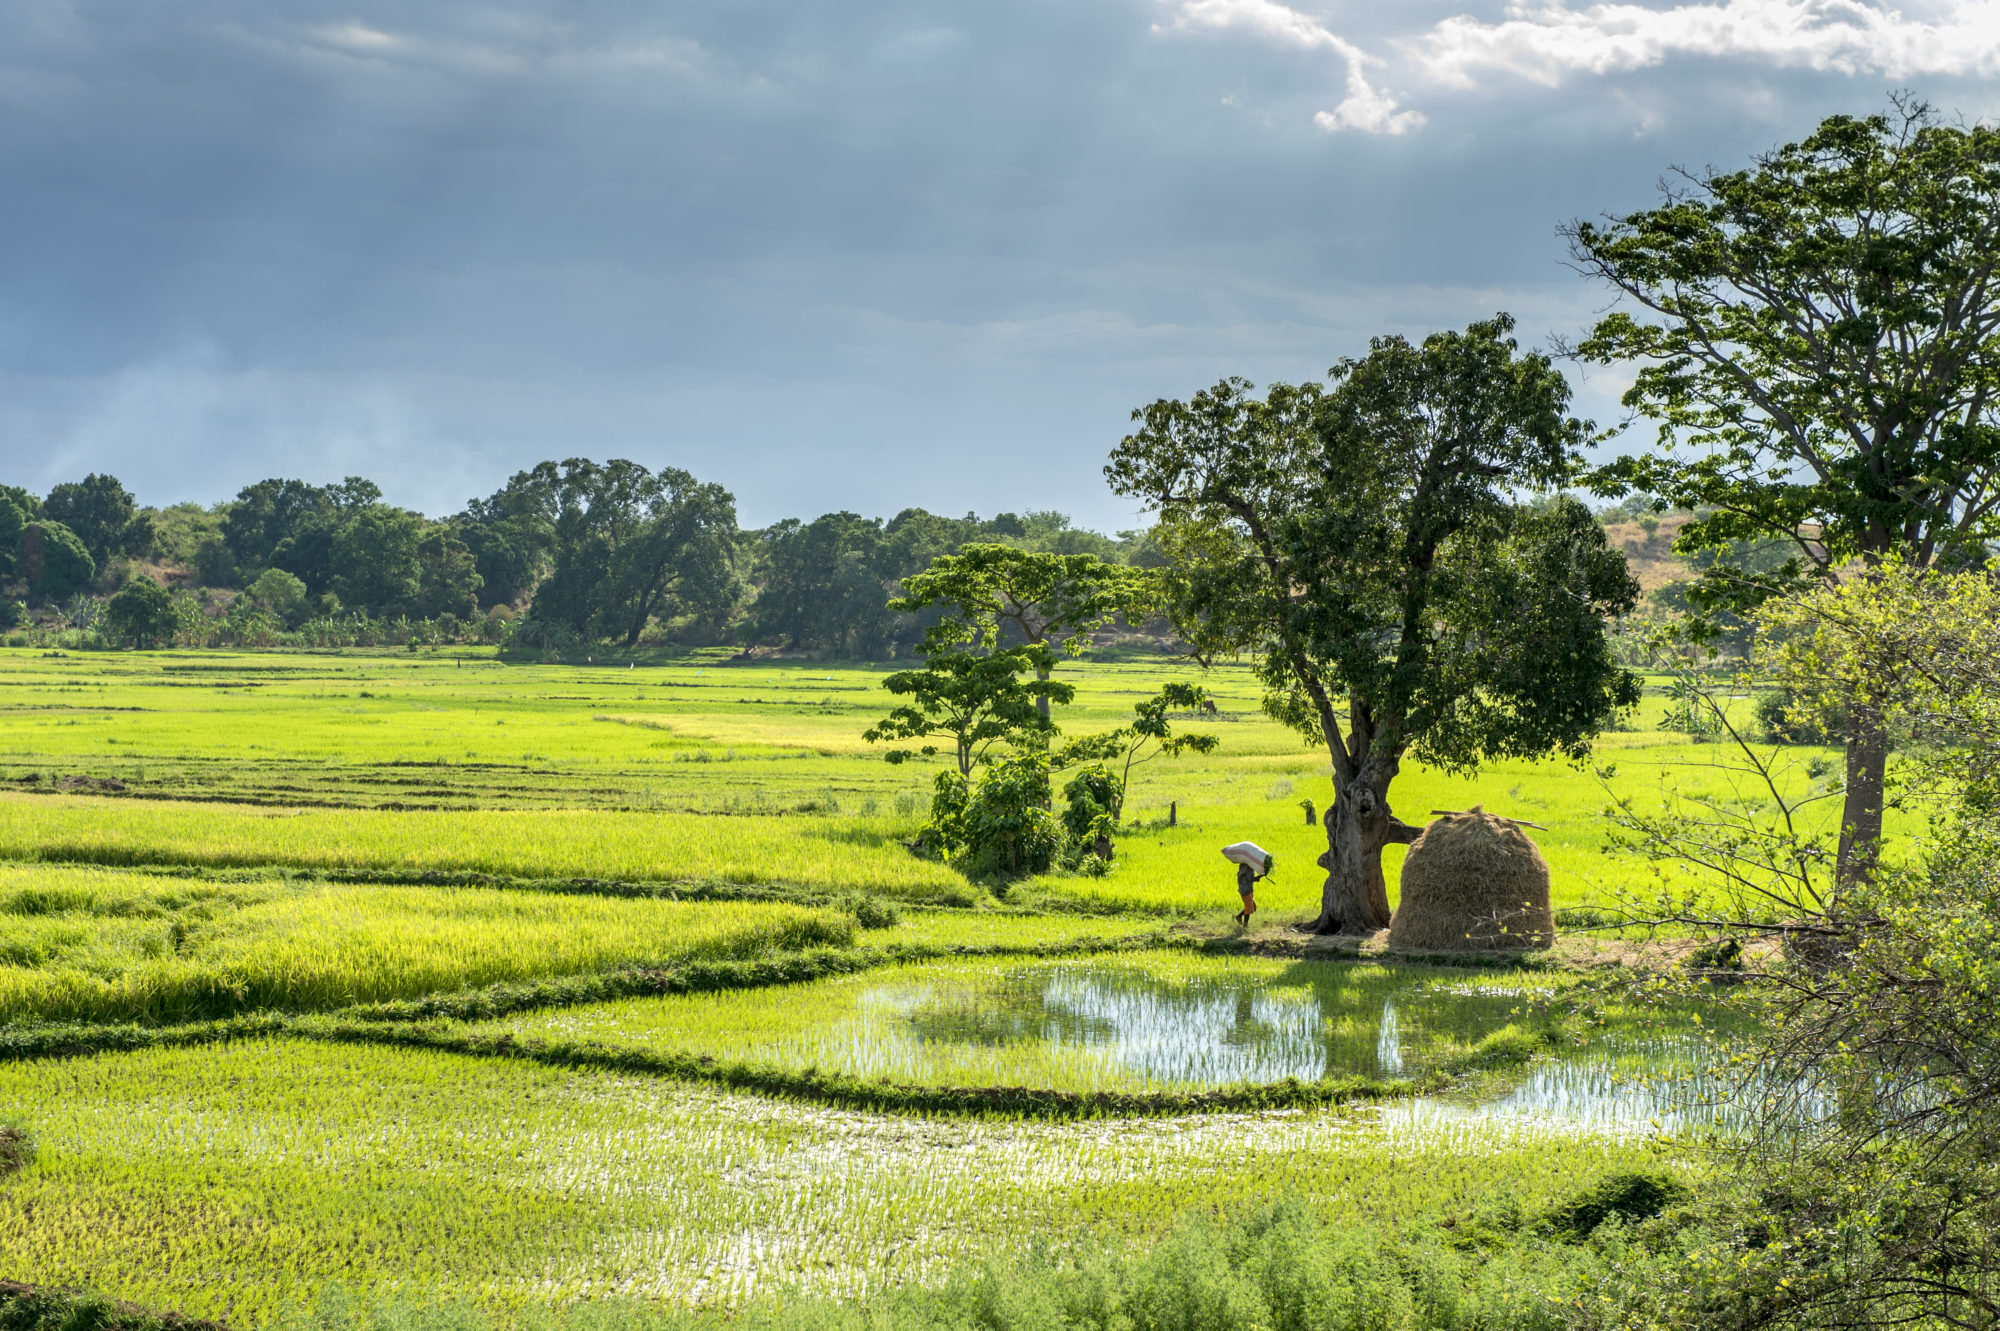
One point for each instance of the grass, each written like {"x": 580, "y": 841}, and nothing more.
{"x": 406, "y": 763}
{"x": 531, "y": 1104}
{"x": 90, "y": 945}
{"x": 544, "y": 843}
{"x": 235, "y": 1182}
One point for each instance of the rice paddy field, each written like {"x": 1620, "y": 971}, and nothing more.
{"x": 513, "y": 986}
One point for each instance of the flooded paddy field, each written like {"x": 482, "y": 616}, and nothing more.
{"x": 204, "y": 871}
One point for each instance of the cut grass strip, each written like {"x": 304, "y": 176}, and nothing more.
{"x": 816, "y": 853}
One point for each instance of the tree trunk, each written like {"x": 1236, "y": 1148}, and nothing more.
{"x": 1861, "y": 814}
{"x": 1355, "y": 899}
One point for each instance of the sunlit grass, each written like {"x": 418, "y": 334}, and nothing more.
{"x": 542, "y": 843}
{"x": 104, "y": 946}
{"x": 233, "y": 1182}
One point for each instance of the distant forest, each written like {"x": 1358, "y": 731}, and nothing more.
{"x": 563, "y": 557}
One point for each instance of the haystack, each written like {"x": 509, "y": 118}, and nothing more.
{"x": 1472, "y": 881}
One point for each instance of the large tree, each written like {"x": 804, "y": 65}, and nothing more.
{"x": 103, "y": 515}
{"x": 53, "y": 561}
{"x": 990, "y": 591}
{"x": 1367, "y": 543}
{"x": 632, "y": 546}
{"x": 1818, "y": 337}
{"x": 826, "y": 584}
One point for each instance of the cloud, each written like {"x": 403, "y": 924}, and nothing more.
{"x": 1544, "y": 43}
{"x": 1365, "y": 108}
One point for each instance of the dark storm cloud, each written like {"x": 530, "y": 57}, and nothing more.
{"x": 831, "y": 255}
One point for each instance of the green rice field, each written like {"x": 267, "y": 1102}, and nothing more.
{"x": 407, "y": 973}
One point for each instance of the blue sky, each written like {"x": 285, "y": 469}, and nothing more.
{"x": 857, "y": 255}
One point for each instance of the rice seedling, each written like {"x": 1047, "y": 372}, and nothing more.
{"x": 545, "y": 843}
{"x": 103, "y": 946}
{"x": 237, "y": 1181}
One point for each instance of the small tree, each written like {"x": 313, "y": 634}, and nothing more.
{"x": 142, "y": 613}
{"x": 277, "y": 591}
{"x": 992, "y": 591}
{"x": 977, "y": 701}
{"x": 1878, "y": 999}
{"x": 1367, "y": 543}
{"x": 1152, "y": 727}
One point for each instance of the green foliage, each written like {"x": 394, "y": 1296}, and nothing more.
{"x": 13, "y": 523}
{"x": 53, "y": 562}
{"x": 1627, "y": 1197}
{"x": 975, "y": 700}
{"x": 1431, "y": 601}
{"x": 1813, "y": 339}
{"x": 1092, "y": 800}
{"x": 825, "y": 583}
{"x": 1785, "y": 722}
{"x": 373, "y": 558}
{"x": 64, "y": 1310}
{"x": 632, "y": 547}
{"x": 993, "y": 592}
{"x": 509, "y": 536}
{"x": 277, "y": 591}
{"x": 142, "y": 613}
{"x": 181, "y": 531}
{"x": 102, "y": 514}
{"x": 1008, "y": 828}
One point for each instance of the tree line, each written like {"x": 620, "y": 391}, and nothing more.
{"x": 565, "y": 555}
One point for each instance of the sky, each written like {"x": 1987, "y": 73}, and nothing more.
{"x": 864, "y": 255}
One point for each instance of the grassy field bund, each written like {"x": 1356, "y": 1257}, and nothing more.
{"x": 511, "y": 986}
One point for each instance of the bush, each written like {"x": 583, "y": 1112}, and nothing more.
{"x": 1008, "y": 827}
{"x": 142, "y": 614}
{"x": 54, "y": 561}
{"x": 1626, "y": 1197}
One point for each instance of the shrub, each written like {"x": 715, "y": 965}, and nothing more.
{"x": 1008, "y": 827}
{"x": 1623, "y": 1196}
{"x": 1785, "y": 722}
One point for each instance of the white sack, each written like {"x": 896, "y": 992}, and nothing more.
{"x": 1250, "y": 853}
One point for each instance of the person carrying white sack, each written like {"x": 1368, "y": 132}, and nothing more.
{"x": 1252, "y": 862}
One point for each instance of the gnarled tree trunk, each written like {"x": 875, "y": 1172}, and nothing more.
{"x": 1861, "y": 812}
{"x": 1355, "y": 899}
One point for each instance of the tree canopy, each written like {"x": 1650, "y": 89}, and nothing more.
{"x": 990, "y": 592}
{"x": 1818, "y": 339}
{"x": 1367, "y": 543}
{"x": 631, "y": 545}
{"x": 102, "y": 513}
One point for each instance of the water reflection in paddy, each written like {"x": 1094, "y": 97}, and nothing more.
{"x": 1170, "y": 1021}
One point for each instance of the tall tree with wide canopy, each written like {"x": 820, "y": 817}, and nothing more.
{"x": 990, "y": 591}
{"x": 1366, "y": 543}
{"x": 1818, "y": 337}
{"x": 103, "y": 514}
{"x": 633, "y": 545}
